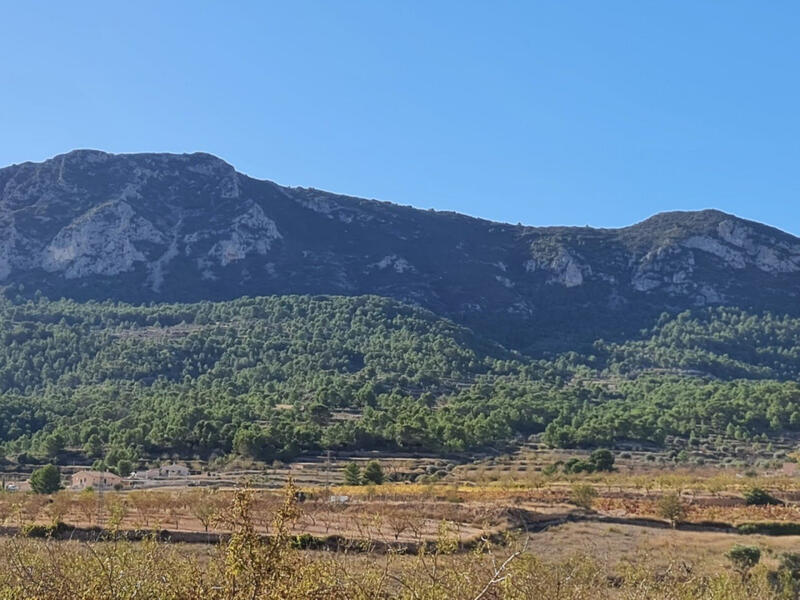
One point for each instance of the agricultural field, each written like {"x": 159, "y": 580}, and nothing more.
{"x": 627, "y": 532}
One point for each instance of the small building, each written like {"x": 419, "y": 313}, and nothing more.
{"x": 148, "y": 474}
{"x": 173, "y": 471}
{"x": 176, "y": 470}
{"x": 98, "y": 480}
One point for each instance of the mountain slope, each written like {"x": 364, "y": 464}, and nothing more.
{"x": 250, "y": 344}
{"x": 297, "y": 372}
{"x": 274, "y": 377}
{"x": 161, "y": 227}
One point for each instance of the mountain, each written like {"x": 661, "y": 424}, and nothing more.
{"x": 376, "y": 326}
{"x": 165, "y": 227}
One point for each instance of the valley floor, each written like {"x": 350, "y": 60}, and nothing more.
{"x": 600, "y": 535}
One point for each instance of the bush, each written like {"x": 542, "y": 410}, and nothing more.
{"x": 759, "y": 497}
{"x": 599, "y": 460}
{"x": 550, "y": 469}
{"x": 743, "y": 558}
{"x": 44, "y": 531}
{"x": 790, "y": 561}
{"x": 304, "y": 541}
{"x": 786, "y": 580}
{"x": 583, "y": 495}
{"x": 602, "y": 460}
{"x": 576, "y": 465}
{"x": 772, "y": 528}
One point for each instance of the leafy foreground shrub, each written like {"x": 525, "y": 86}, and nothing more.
{"x": 44, "y": 531}
{"x": 744, "y": 558}
{"x": 786, "y": 579}
{"x": 249, "y": 567}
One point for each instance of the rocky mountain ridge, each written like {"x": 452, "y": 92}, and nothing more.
{"x": 165, "y": 227}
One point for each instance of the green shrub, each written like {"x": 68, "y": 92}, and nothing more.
{"x": 743, "y": 558}
{"x": 583, "y": 495}
{"x": 771, "y": 528}
{"x": 758, "y": 497}
{"x": 577, "y": 465}
{"x": 786, "y": 579}
{"x": 602, "y": 460}
{"x": 44, "y": 531}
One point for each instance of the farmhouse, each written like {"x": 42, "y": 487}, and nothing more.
{"x": 99, "y": 480}
{"x": 790, "y": 468}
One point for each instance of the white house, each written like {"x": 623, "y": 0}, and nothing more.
{"x": 173, "y": 471}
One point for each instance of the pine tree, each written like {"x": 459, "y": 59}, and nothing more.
{"x": 373, "y": 472}
{"x": 46, "y": 480}
{"x": 352, "y": 474}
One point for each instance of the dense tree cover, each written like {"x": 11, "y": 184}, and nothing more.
{"x": 654, "y": 407}
{"x": 267, "y": 377}
{"x": 249, "y": 343}
{"x": 273, "y": 377}
{"x": 724, "y": 342}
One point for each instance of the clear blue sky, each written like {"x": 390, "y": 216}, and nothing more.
{"x": 597, "y": 113}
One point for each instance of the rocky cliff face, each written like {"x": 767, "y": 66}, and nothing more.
{"x": 188, "y": 227}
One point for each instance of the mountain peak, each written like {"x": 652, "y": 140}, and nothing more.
{"x": 156, "y": 163}
{"x": 668, "y": 227}
{"x": 92, "y": 155}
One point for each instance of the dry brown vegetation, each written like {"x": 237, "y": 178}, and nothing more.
{"x": 425, "y": 541}
{"x": 410, "y": 512}
{"x": 248, "y": 566}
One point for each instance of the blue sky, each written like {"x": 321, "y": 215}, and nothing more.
{"x": 597, "y": 113}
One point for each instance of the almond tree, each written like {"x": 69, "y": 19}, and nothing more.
{"x": 86, "y": 503}
{"x": 205, "y": 505}
{"x": 671, "y": 508}
{"x": 145, "y": 506}
{"x": 59, "y": 507}
{"x": 398, "y": 523}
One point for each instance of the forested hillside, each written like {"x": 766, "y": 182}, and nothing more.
{"x": 722, "y": 342}
{"x": 277, "y": 376}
